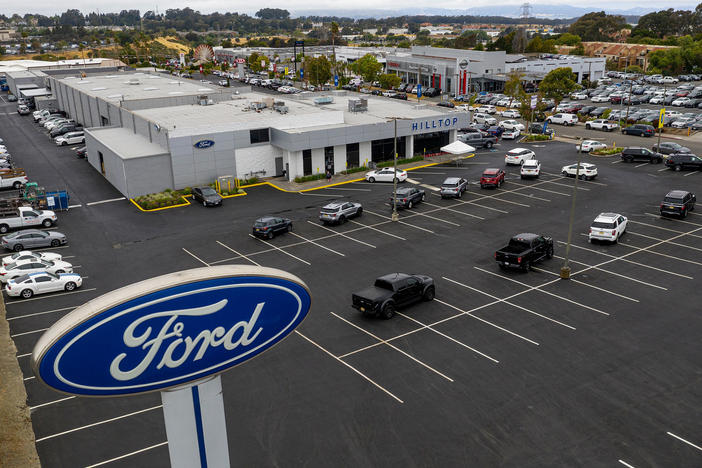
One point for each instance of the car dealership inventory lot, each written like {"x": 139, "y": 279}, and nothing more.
{"x": 502, "y": 368}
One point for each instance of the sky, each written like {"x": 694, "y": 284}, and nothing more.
{"x": 50, "y": 7}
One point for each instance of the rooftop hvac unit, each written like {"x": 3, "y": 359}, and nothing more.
{"x": 358, "y": 105}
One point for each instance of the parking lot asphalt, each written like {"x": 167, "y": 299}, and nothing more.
{"x": 503, "y": 368}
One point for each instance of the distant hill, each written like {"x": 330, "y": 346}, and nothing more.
{"x": 509, "y": 11}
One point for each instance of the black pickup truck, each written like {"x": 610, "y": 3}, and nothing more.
{"x": 523, "y": 250}
{"x": 392, "y": 291}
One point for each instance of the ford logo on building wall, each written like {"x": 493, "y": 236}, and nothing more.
{"x": 170, "y": 330}
{"x": 202, "y": 144}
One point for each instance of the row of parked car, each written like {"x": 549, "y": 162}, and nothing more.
{"x": 63, "y": 130}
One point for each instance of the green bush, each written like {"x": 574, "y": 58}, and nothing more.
{"x": 251, "y": 181}
{"x": 537, "y": 137}
{"x": 309, "y": 178}
{"x": 607, "y": 151}
{"x": 606, "y": 113}
{"x": 162, "y": 199}
{"x": 400, "y": 161}
{"x": 355, "y": 169}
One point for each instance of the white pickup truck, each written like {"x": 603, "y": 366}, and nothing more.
{"x": 601, "y": 124}
{"x": 14, "y": 179}
{"x": 25, "y": 216}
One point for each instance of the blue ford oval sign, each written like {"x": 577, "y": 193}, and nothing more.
{"x": 170, "y": 330}
{"x": 202, "y": 144}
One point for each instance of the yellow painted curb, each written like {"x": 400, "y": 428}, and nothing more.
{"x": 162, "y": 208}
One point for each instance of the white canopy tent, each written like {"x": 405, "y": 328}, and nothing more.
{"x": 458, "y": 148}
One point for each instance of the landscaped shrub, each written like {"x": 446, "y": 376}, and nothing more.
{"x": 537, "y": 137}
{"x": 400, "y": 161}
{"x": 607, "y": 151}
{"x": 355, "y": 169}
{"x": 309, "y": 178}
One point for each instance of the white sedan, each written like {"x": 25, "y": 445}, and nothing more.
{"x": 29, "y": 255}
{"x": 510, "y": 114}
{"x": 512, "y": 125}
{"x": 23, "y": 267}
{"x": 578, "y": 96}
{"x": 600, "y": 98}
{"x": 530, "y": 168}
{"x": 386, "y": 175}
{"x": 590, "y": 145}
{"x": 510, "y": 134}
{"x": 39, "y": 283}
{"x": 587, "y": 171}
{"x": 519, "y": 155}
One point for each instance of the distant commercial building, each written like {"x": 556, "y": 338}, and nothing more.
{"x": 623, "y": 54}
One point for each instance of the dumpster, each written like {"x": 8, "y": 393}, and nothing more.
{"x": 56, "y": 200}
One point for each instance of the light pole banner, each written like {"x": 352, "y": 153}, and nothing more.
{"x": 533, "y": 102}
{"x": 661, "y": 118}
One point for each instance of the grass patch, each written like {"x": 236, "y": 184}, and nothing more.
{"x": 607, "y": 151}
{"x": 537, "y": 137}
{"x": 162, "y": 199}
{"x": 400, "y": 161}
{"x": 251, "y": 181}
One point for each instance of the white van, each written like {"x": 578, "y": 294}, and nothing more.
{"x": 70, "y": 138}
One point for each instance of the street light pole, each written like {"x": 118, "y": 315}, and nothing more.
{"x": 395, "y": 216}
{"x": 661, "y": 119}
{"x": 565, "y": 269}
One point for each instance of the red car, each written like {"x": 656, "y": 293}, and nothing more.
{"x": 492, "y": 177}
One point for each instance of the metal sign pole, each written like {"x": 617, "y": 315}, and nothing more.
{"x": 195, "y": 425}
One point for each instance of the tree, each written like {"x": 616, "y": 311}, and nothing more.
{"x": 568, "y": 39}
{"x": 513, "y": 86}
{"x": 422, "y": 38}
{"x": 317, "y": 69}
{"x": 479, "y": 46}
{"x": 389, "y": 80}
{"x": 519, "y": 41}
{"x": 227, "y": 43}
{"x": 368, "y": 67}
{"x": 597, "y": 26}
{"x": 272, "y": 14}
{"x": 558, "y": 83}
{"x": 577, "y": 50}
{"x": 254, "y": 61}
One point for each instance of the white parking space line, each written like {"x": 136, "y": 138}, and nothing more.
{"x": 239, "y": 254}
{"x": 664, "y": 169}
{"x": 518, "y": 306}
{"x": 74, "y": 206}
{"x": 614, "y": 257}
{"x": 475, "y": 203}
{"x": 348, "y": 189}
{"x": 590, "y": 286}
{"x": 539, "y": 188}
{"x": 561, "y": 176}
{"x": 43, "y": 249}
{"x": 377, "y": 385}
{"x": 616, "y": 162}
{"x": 280, "y": 250}
{"x": 341, "y": 234}
{"x": 40, "y": 313}
{"x": 419, "y": 171}
{"x": 318, "y": 245}
{"x": 643, "y": 164}
{"x": 512, "y": 192}
{"x": 417, "y": 213}
{"x": 319, "y": 195}
{"x": 414, "y": 181}
{"x": 570, "y": 186}
{"x": 195, "y": 256}
{"x": 23, "y": 355}
{"x": 683, "y": 440}
{"x": 455, "y": 211}
{"x": 663, "y": 228}
{"x": 53, "y": 436}
{"x": 427, "y": 366}
{"x": 469, "y": 314}
{"x": 662, "y": 254}
{"x": 126, "y": 455}
{"x": 50, "y": 296}
{"x": 376, "y": 229}
{"x": 32, "y": 408}
{"x": 430, "y": 187}
{"x": 673, "y": 220}
{"x": 29, "y": 332}
{"x": 613, "y": 273}
{"x": 626, "y": 464}
{"x": 401, "y": 222}
{"x": 658, "y": 239}
{"x": 691, "y": 173}
{"x": 105, "y": 201}
{"x": 450, "y": 338}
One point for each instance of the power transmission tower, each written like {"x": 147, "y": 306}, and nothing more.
{"x": 526, "y": 11}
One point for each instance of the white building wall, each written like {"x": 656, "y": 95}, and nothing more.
{"x": 251, "y": 161}
{"x": 364, "y": 153}
{"x": 339, "y": 158}
{"x": 318, "y": 161}
{"x": 294, "y": 161}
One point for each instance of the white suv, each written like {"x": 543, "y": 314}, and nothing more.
{"x": 563, "y": 119}
{"x": 607, "y": 227}
{"x": 70, "y": 138}
{"x": 480, "y": 118}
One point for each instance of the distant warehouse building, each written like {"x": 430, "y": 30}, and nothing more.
{"x": 149, "y": 132}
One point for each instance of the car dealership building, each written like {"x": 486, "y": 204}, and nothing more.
{"x": 149, "y": 132}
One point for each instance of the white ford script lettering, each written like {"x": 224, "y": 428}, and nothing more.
{"x": 178, "y": 350}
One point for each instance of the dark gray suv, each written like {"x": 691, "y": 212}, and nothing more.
{"x": 635, "y": 153}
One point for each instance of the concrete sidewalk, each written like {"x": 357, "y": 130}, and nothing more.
{"x": 339, "y": 179}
